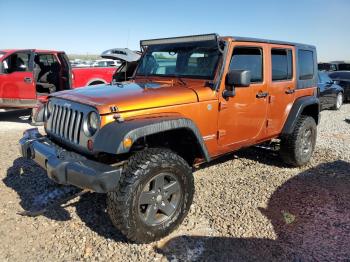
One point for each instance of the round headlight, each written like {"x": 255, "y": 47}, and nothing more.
{"x": 93, "y": 123}
{"x": 50, "y": 106}
{"x": 49, "y": 109}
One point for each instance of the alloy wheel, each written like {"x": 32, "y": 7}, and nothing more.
{"x": 159, "y": 199}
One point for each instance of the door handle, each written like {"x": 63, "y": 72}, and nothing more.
{"x": 290, "y": 91}
{"x": 27, "y": 80}
{"x": 262, "y": 95}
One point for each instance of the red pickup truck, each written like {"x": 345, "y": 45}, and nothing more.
{"x": 27, "y": 76}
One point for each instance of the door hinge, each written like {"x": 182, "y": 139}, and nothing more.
{"x": 268, "y": 122}
{"x": 222, "y": 106}
{"x": 221, "y": 133}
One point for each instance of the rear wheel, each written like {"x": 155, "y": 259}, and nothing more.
{"x": 154, "y": 195}
{"x": 339, "y": 101}
{"x": 297, "y": 148}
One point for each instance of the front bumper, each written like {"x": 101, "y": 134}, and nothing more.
{"x": 66, "y": 167}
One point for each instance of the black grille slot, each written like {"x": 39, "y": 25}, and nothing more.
{"x": 66, "y": 123}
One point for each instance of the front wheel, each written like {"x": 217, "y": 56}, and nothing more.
{"x": 339, "y": 101}
{"x": 298, "y": 147}
{"x": 154, "y": 196}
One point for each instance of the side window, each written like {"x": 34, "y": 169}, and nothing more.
{"x": 282, "y": 64}
{"x": 248, "y": 58}
{"x": 306, "y": 64}
{"x": 18, "y": 62}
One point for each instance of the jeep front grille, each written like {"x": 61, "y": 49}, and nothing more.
{"x": 66, "y": 123}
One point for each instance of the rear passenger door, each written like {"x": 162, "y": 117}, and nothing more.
{"x": 281, "y": 88}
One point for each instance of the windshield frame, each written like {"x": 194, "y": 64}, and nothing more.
{"x": 199, "y": 44}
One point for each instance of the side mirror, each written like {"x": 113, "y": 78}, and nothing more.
{"x": 238, "y": 78}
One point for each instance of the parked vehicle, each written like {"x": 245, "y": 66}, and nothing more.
{"x": 128, "y": 62}
{"x": 342, "y": 78}
{"x": 27, "y": 76}
{"x": 105, "y": 63}
{"x": 191, "y": 100}
{"x": 334, "y": 66}
{"x": 331, "y": 94}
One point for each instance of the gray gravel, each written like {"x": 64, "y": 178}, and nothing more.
{"x": 248, "y": 206}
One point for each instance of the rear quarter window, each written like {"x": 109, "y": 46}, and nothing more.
{"x": 306, "y": 64}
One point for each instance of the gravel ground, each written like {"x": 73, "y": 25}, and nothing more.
{"x": 248, "y": 206}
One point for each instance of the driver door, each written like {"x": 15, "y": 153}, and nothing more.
{"x": 17, "y": 86}
{"x": 242, "y": 118}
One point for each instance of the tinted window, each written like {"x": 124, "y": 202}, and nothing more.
{"x": 282, "y": 64}
{"x": 345, "y": 67}
{"x": 306, "y": 64}
{"x": 248, "y": 58}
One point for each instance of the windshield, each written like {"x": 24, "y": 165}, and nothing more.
{"x": 195, "y": 60}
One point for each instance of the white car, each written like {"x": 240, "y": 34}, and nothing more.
{"x": 106, "y": 63}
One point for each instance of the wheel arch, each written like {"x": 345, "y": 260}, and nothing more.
{"x": 96, "y": 81}
{"x": 171, "y": 132}
{"x": 309, "y": 105}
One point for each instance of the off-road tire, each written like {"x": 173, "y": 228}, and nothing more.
{"x": 123, "y": 206}
{"x": 292, "y": 146}
{"x": 338, "y": 104}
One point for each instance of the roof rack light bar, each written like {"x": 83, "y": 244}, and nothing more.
{"x": 181, "y": 39}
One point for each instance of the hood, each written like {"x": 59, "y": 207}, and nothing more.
{"x": 129, "y": 96}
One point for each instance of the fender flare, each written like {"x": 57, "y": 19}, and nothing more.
{"x": 110, "y": 138}
{"x": 96, "y": 79}
{"x": 297, "y": 109}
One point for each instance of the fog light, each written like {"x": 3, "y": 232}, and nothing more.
{"x": 127, "y": 142}
{"x": 90, "y": 144}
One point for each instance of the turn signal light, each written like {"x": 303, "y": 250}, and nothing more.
{"x": 127, "y": 142}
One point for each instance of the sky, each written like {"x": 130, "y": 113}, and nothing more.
{"x": 92, "y": 26}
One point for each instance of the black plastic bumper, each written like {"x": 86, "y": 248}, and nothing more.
{"x": 68, "y": 168}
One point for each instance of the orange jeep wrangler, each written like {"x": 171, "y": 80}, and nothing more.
{"x": 191, "y": 99}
